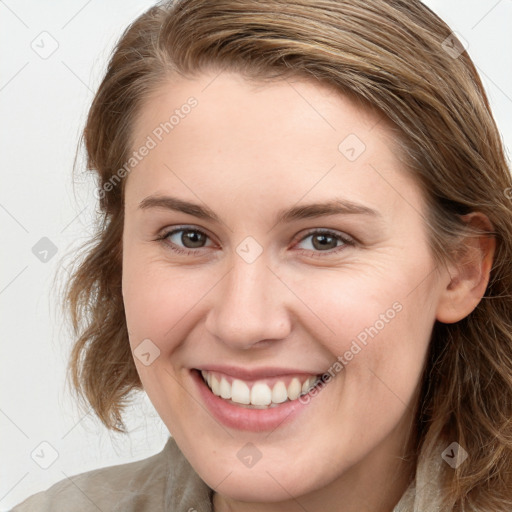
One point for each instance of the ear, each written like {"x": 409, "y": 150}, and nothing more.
{"x": 469, "y": 274}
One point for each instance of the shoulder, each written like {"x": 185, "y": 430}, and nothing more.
{"x": 136, "y": 486}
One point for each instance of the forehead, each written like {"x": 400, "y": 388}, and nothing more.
{"x": 220, "y": 133}
{"x": 232, "y": 103}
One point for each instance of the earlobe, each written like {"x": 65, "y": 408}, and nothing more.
{"x": 468, "y": 277}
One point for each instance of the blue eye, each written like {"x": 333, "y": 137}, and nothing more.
{"x": 194, "y": 239}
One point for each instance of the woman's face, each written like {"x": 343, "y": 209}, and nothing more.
{"x": 271, "y": 290}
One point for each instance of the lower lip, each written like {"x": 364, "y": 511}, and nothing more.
{"x": 242, "y": 418}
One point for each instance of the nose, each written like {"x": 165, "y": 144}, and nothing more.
{"x": 249, "y": 306}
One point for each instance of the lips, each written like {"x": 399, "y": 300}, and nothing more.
{"x": 245, "y": 417}
{"x": 253, "y": 374}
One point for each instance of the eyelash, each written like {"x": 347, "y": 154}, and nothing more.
{"x": 347, "y": 241}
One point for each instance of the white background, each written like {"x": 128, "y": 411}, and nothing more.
{"x": 43, "y": 104}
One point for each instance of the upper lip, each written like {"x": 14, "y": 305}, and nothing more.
{"x": 255, "y": 373}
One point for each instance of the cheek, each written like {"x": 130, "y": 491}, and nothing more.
{"x": 390, "y": 366}
{"x": 363, "y": 302}
{"x": 139, "y": 298}
{"x": 376, "y": 322}
{"x": 158, "y": 298}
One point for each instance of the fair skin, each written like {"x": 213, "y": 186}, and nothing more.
{"x": 246, "y": 153}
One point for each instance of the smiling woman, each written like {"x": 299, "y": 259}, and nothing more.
{"x": 307, "y": 269}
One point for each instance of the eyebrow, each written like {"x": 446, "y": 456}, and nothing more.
{"x": 308, "y": 211}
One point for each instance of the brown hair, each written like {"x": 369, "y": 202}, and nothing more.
{"x": 393, "y": 55}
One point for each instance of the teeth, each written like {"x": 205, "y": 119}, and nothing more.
{"x": 207, "y": 377}
{"x": 260, "y": 395}
{"x": 214, "y": 383}
{"x": 294, "y": 389}
{"x": 225, "y": 389}
{"x": 280, "y": 393}
{"x": 306, "y": 386}
{"x": 240, "y": 392}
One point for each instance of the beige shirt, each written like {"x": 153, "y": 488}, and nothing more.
{"x": 166, "y": 482}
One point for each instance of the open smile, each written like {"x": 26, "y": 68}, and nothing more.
{"x": 246, "y": 415}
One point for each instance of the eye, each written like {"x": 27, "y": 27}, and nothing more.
{"x": 325, "y": 241}
{"x": 191, "y": 238}
{"x": 322, "y": 241}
